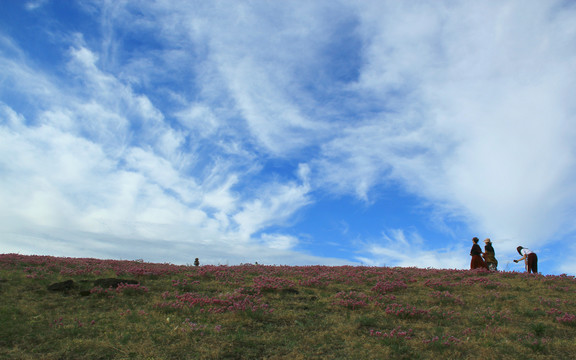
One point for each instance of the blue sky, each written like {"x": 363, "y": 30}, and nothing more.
{"x": 294, "y": 132}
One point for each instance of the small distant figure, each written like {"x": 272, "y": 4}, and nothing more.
{"x": 530, "y": 259}
{"x": 196, "y": 262}
{"x": 490, "y": 255}
{"x": 477, "y": 262}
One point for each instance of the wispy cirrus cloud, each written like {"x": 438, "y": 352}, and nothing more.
{"x": 482, "y": 125}
{"x": 97, "y": 158}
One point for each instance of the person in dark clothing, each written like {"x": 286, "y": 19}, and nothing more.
{"x": 477, "y": 262}
{"x": 490, "y": 256}
{"x": 530, "y": 259}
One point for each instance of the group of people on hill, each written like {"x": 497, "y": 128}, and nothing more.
{"x": 487, "y": 259}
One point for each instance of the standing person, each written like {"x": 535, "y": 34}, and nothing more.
{"x": 475, "y": 252}
{"x": 490, "y": 255}
{"x": 530, "y": 259}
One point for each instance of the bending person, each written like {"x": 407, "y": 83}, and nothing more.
{"x": 530, "y": 259}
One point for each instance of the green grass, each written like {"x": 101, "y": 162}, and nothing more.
{"x": 280, "y": 312}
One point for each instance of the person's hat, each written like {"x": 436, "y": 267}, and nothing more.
{"x": 487, "y": 240}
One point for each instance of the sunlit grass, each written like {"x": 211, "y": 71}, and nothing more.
{"x": 276, "y": 312}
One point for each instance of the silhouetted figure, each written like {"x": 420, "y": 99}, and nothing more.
{"x": 490, "y": 255}
{"x": 196, "y": 262}
{"x": 477, "y": 262}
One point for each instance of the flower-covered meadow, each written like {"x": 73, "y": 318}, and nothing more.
{"x": 166, "y": 311}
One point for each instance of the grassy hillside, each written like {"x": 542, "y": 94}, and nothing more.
{"x": 164, "y": 311}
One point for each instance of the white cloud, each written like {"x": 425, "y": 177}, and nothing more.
{"x": 102, "y": 161}
{"x": 199, "y": 118}
{"x": 273, "y": 204}
{"x": 483, "y": 124}
{"x": 58, "y": 186}
{"x": 279, "y": 241}
{"x": 261, "y": 53}
{"x": 398, "y": 248}
{"x": 33, "y": 5}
